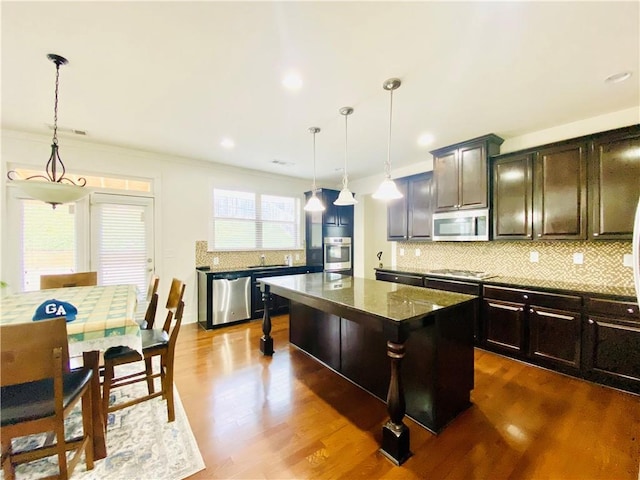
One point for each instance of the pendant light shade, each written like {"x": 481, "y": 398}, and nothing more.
{"x": 55, "y": 188}
{"x": 345, "y": 197}
{"x": 388, "y": 189}
{"x": 314, "y": 204}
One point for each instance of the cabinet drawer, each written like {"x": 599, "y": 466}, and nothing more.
{"x": 452, "y": 286}
{"x": 400, "y": 278}
{"x": 550, "y": 300}
{"x": 613, "y": 308}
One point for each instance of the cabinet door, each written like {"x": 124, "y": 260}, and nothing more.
{"x": 612, "y": 352}
{"x": 555, "y": 336}
{"x": 504, "y": 326}
{"x": 560, "y": 193}
{"x": 615, "y": 185}
{"x": 397, "y": 214}
{"x": 420, "y": 208}
{"x": 513, "y": 197}
{"x": 446, "y": 178}
{"x": 472, "y": 165}
{"x": 330, "y": 216}
{"x": 316, "y": 332}
{"x": 405, "y": 278}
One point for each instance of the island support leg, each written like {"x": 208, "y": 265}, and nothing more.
{"x": 395, "y": 434}
{"x": 266, "y": 342}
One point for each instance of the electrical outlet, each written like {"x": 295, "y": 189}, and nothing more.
{"x": 216, "y": 260}
{"x": 578, "y": 258}
{"x": 418, "y": 252}
{"x": 297, "y": 256}
{"x": 402, "y": 252}
{"x": 627, "y": 260}
{"x": 534, "y": 257}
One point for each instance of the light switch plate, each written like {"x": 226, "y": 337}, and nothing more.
{"x": 402, "y": 252}
{"x": 418, "y": 252}
{"x": 297, "y": 256}
{"x": 534, "y": 257}
{"x": 627, "y": 260}
{"x": 216, "y": 260}
{"x": 578, "y": 258}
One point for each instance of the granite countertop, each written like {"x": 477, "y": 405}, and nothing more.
{"x": 626, "y": 293}
{"x": 383, "y": 299}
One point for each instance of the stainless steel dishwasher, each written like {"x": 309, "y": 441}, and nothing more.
{"x": 230, "y": 299}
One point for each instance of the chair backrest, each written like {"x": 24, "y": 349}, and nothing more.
{"x": 26, "y": 349}
{"x": 176, "y": 292}
{"x": 80, "y": 279}
{"x": 173, "y": 331}
{"x": 154, "y": 283}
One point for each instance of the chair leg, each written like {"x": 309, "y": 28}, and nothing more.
{"x": 149, "y": 371}
{"x": 7, "y": 466}
{"x": 87, "y": 426}
{"x": 62, "y": 452}
{"x": 106, "y": 387}
{"x": 168, "y": 393}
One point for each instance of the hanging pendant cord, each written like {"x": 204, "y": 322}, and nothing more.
{"x": 387, "y": 165}
{"x": 55, "y": 107}
{"x": 314, "y": 164}
{"x": 346, "y": 136}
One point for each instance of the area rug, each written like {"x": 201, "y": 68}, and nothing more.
{"x": 141, "y": 444}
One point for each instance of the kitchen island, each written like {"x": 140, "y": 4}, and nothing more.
{"x": 356, "y": 326}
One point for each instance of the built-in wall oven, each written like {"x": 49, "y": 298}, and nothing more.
{"x": 337, "y": 254}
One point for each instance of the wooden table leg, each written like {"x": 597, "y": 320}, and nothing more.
{"x": 266, "y": 342}
{"x": 395, "y": 434}
{"x": 92, "y": 360}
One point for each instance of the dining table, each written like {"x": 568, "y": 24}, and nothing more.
{"x": 105, "y": 318}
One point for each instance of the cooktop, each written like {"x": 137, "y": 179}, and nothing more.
{"x": 473, "y": 274}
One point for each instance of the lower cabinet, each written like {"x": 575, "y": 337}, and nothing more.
{"x": 611, "y": 353}
{"x": 315, "y": 332}
{"x": 545, "y": 328}
{"x": 405, "y": 278}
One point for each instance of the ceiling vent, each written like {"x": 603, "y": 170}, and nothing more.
{"x": 281, "y": 162}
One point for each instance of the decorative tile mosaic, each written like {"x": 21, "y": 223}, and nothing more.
{"x": 602, "y": 260}
{"x": 241, "y": 259}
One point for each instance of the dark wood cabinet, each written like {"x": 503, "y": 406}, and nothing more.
{"x": 397, "y": 213}
{"x": 315, "y": 332}
{"x": 405, "y": 278}
{"x": 460, "y": 173}
{"x": 513, "y": 197}
{"x": 336, "y": 215}
{"x": 611, "y": 353}
{"x": 543, "y": 327}
{"x": 614, "y": 183}
{"x": 409, "y": 217}
{"x": 560, "y": 192}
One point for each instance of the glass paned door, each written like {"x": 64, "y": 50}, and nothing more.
{"x": 122, "y": 240}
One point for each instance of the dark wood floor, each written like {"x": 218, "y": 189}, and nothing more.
{"x": 257, "y": 417}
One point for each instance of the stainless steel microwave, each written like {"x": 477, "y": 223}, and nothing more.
{"x": 461, "y": 226}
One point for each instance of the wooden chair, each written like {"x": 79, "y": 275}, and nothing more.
{"x": 155, "y": 343}
{"x": 176, "y": 292}
{"x": 152, "y": 304}
{"x": 38, "y": 391}
{"x": 80, "y": 279}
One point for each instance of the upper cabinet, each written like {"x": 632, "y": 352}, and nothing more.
{"x": 460, "y": 173}
{"x": 572, "y": 190}
{"x": 333, "y": 215}
{"x": 614, "y": 184}
{"x": 409, "y": 217}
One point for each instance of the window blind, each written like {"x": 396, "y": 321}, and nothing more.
{"x": 250, "y": 221}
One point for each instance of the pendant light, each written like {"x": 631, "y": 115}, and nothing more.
{"x": 388, "y": 189}
{"x": 345, "y": 197}
{"x": 56, "y": 188}
{"x": 314, "y": 204}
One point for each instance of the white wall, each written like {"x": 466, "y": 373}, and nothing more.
{"x": 183, "y": 195}
{"x": 371, "y": 217}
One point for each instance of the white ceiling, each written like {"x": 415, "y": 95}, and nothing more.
{"x": 178, "y": 77}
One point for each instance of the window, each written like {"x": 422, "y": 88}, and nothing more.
{"x": 250, "y": 221}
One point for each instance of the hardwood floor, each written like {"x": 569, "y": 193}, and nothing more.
{"x": 288, "y": 416}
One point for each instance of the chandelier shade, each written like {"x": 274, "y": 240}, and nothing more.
{"x": 54, "y": 188}
{"x": 345, "y": 197}
{"x": 314, "y": 204}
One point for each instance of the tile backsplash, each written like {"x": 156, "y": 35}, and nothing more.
{"x": 241, "y": 259}
{"x": 602, "y": 260}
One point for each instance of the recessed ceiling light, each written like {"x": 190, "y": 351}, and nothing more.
{"x": 618, "y": 77}
{"x": 425, "y": 139}
{"x": 292, "y": 80}
{"x": 227, "y": 143}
